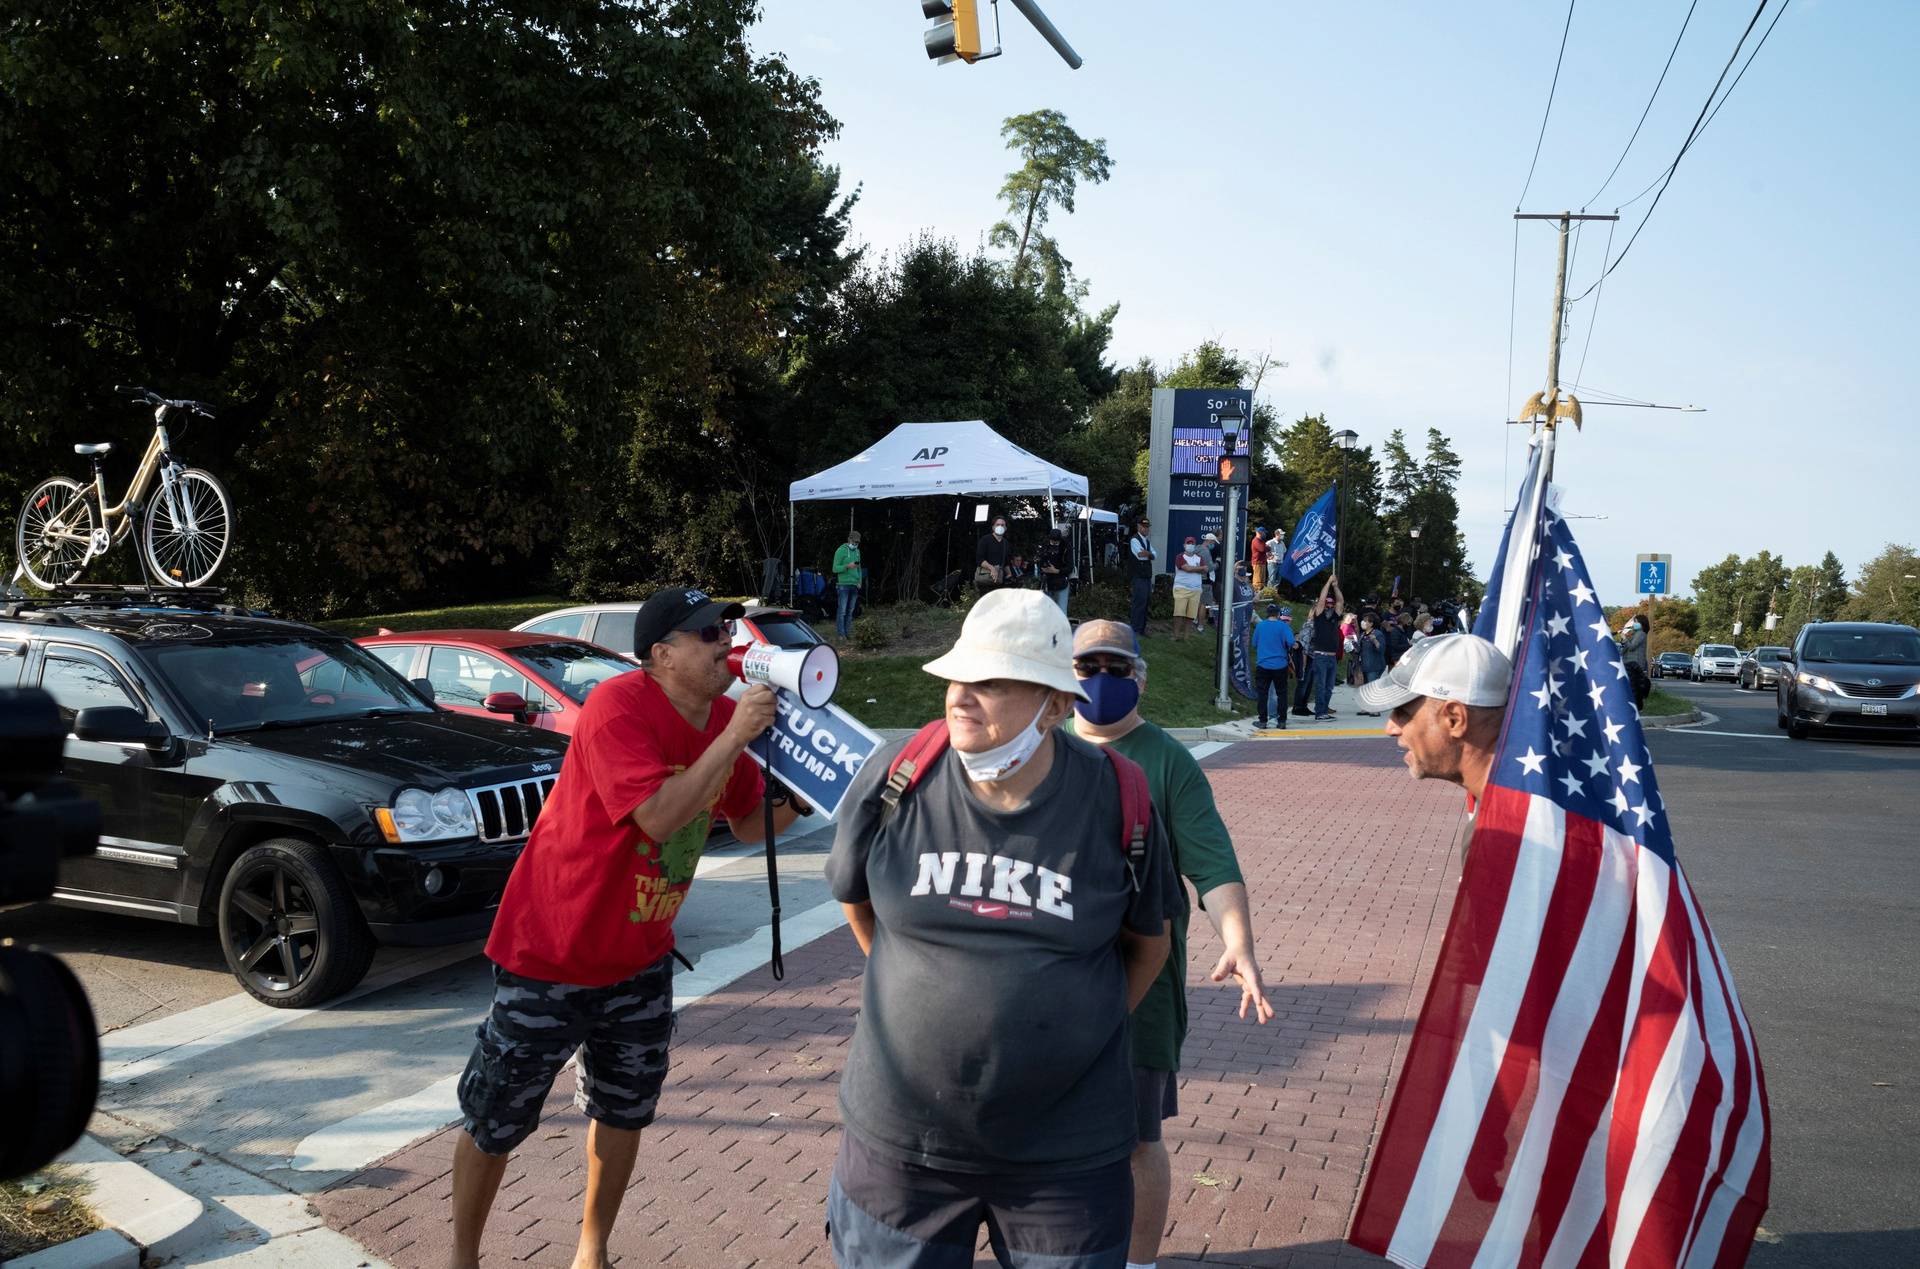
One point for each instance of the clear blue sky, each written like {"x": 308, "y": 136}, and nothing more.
{"x": 1335, "y": 183}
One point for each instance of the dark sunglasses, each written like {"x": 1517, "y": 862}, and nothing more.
{"x": 712, "y": 634}
{"x": 1119, "y": 669}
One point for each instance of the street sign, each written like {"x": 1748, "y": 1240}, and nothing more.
{"x": 1654, "y": 571}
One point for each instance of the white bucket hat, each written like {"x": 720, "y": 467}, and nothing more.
{"x": 1012, "y": 634}
{"x": 1453, "y": 667}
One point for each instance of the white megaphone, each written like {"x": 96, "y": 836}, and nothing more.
{"x": 811, "y": 674}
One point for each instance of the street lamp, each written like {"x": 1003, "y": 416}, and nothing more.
{"x": 1346, "y": 440}
{"x": 1413, "y": 569}
{"x": 1230, "y": 418}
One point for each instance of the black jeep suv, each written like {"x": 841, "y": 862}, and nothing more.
{"x": 277, "y": 782}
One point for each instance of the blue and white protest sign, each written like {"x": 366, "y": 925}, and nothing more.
{"x": 1314, "y": 539}
{"x": 816, "y": 752}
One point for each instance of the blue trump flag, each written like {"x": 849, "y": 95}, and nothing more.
{"x": 1314, "y": 538}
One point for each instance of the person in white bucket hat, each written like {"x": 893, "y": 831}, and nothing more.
{"x": 1012, "y": 888}
{"x": 1444, "y": 701}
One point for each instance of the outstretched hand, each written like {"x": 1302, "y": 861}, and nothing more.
{"x": 1246, "y": 971}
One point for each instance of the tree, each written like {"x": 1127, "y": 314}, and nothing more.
{"x": 439, "y": 265}
{"x": 1309, "y": 456}
{"x": 1057, "y": 159}
{"x": 1888, "y": 588}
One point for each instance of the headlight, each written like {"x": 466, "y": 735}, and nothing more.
{"x": 419, "y": 816}
{"x": 1816, "y": 681}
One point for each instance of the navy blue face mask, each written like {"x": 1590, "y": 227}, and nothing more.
{"x": 1111, "y": 699}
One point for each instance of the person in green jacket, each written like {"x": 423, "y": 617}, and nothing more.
{"x": 847, "y": 573}
{"x": 1106, "y": 659}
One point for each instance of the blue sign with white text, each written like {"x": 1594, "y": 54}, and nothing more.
{"x": 1653, "y": 577}
{"x": 816, "y": 752}
{"x": 1315, "y": 539}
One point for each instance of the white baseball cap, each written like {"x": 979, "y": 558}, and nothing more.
{"x": 1012, "y": 634}
{"x": 1451, "y": 667}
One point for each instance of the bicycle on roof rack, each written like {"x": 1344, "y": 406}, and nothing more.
{"x": 185, "y": 531}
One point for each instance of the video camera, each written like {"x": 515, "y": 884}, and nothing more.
{"x": 49, "y": 1045}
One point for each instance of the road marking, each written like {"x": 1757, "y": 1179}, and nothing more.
{"x": 1302, "y": 733}
{"x": 1207, "y": 748}
{"x": 134, "y": 1052}
{"x": 352, "y": 1143}
{"x": 1747, "y": 735}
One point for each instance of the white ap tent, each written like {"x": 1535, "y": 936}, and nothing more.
{"x": 922, "y": 460}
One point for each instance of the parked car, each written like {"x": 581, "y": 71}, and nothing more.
{"x": 1760, "y": 668}
{"x": 526, "y": 678}
{"x": 611, "y": 626}
{"x": 1851, "y": 674}
{"x": 277, "y": 783}
{"x": 1672, "y": 664}
{"x": 1716, "y": 661}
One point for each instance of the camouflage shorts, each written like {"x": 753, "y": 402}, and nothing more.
{"x": 621, "y": 1033}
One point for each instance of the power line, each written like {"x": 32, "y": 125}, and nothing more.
{"x": 1649, "y": 107}
{"x": 1716, "y": 109}
{"x": 1693, "y": 133}
{"x": 1548, "y": 113}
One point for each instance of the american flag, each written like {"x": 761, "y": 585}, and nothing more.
{"x": 1582, "y": 1087}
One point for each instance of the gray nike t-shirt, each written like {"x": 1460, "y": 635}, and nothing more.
{"x": 993, "y": 1025}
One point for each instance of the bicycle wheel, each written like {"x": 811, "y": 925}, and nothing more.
{"x": 54, "y": 530}
{"x": 186, "y": 538}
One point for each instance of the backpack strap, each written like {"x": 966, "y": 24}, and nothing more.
{"x": 1136, "y": 811}
{"x": 912, "y": 762}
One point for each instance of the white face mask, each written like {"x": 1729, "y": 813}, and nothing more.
{"x": 1000, "y": 762}
{"x": 999, "y": 530}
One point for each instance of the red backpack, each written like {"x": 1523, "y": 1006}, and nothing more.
{"x": 1136, "y": 800}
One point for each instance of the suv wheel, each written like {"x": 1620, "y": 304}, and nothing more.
{"x": 289, "y": 927}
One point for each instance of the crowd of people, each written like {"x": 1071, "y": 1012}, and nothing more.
{"x": 1020, "y": 875}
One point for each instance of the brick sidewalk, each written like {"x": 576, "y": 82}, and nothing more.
{"x": 1351, "y": 867}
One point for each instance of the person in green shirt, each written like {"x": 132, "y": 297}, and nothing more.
{"x": 1107, "y": 661}
{"x": 847, "y": 573}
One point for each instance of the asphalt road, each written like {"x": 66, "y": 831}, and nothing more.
{"x": 1806, "y": 858}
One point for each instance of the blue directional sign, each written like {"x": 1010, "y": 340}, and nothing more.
{"x": 1653, "y": 573}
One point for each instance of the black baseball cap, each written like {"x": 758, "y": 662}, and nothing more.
{"x": 678, "y": 608}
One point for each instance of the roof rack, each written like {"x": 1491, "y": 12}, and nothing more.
{"x": 122, "y": 595}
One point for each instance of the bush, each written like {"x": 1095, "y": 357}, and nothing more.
{"x": 868, "y": 636}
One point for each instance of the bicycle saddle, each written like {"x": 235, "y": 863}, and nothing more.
{"x": 105, "y": 447}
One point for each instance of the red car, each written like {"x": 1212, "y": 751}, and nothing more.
{"x": 535, "y": 679}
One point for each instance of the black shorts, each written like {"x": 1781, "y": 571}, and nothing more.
{"x": 1156, "y": 1096}
{"x": 887, "y": 1215}
{"x": 621, "y": 1033}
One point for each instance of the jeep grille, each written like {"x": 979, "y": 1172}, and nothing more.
{"x": 507, "y": 811}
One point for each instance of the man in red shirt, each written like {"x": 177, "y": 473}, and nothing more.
{"x": 582, "y": 943}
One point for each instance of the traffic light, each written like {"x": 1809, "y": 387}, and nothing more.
{"x": 1232, "y": 469}
{"x": 955, "y": 29}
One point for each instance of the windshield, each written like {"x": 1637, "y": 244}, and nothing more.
{"x": 574, "y": 668}
{"x": 1865, "y": 647}
{"x": 1673, "y": 657}
{"x": 1717, "y": 650}
{"x": 245, "y": 686}
{"x": 786, "y": 632}
{"x": 1769, "y": 654}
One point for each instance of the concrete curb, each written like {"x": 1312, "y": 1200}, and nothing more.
{"x": 102, "y": 1249}
{"x": 144, "y": 1215}
{"x": 1687, "y": 719}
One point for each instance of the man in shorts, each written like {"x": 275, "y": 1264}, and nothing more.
{"x": 582, "y": 944}
{"x": 1107, "y": 661}
{"x": 1008, "y": 932}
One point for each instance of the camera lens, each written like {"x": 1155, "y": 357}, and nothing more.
{"x": 49, "y": 1059}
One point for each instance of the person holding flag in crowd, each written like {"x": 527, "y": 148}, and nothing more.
{"x": 1582, "y": 1086}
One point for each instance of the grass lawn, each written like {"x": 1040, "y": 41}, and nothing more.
{"x": 41, "y": 1210}
{"x": 1664, "y": 702}
{"x": 496, "y": 616}
{"x": 891, "y": 690}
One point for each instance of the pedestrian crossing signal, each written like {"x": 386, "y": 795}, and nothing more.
{"x": 1232, "y": 469}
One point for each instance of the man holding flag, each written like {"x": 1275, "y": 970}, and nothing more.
{"x": 1582, "y": 1087}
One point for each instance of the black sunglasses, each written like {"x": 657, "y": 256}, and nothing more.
{"x": 1086, "y": 669}
{"x": 712, "y": 634}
